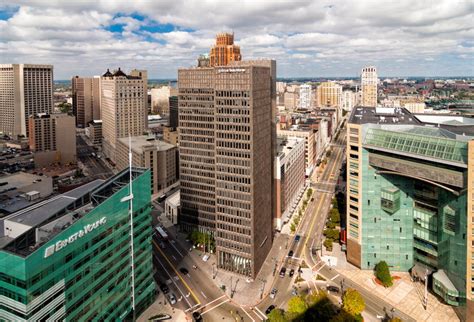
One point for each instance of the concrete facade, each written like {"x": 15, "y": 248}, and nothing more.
{"x": 369, "y": 82}
{"x": 309, "y": 135}
{"x": 225, "y": 137}
{"x": 123, "y": 108}
{"x": 25, "y": 90}
{"x": 224, "y": 51}
{"x": 52, "y": 139}
{"x": 329, "y": 94}
{"x": 147, "y": 152}
{"x": 85, "y": 99}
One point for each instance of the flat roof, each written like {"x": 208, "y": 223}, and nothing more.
{"x": 363, "y": 115}
{"x": 144, "y": 142}
{"x": 285, "y": 144}
{"x": 18, "y": 180}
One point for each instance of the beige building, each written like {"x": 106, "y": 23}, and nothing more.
{"x": 85, "y": 99}
{"x": 170, "y": 135}
{"x": 309, "y": 135}
{"x": 349, "y": 100}
{"x": 306, "y": 97}
{"x": 226, "y": 157}
{"x": 369, "y": 81}
{"x": 94, "y": 132}
{"x": 25, "y": 90}
{"x": 52, "y": 138}
{"x": 329, "y": 94}
{"x": 289, "y": 177}
{"x": 123, "y": 107}
{"x": 172, "y": 207}
{"x": 147, "y": 152}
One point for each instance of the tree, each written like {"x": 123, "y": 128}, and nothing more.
{"x": 383, "y": 274}
{"x": 332, "y": 234}
{"x": 309, "y": 192}
{"x": 293, "y": 227}
{"x": 395, "y": 319}
{"x": 343, "y": 317}
{"x": 297, "y": 306}
{"x": 330, "y": 225}
{"x": 277, "y": 315}
{"x": 328, "y": 244}
{"x": 352, "y": 302}
{"x": 65, "y": 107}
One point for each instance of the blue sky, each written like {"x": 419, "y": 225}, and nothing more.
{"x": 307, "y": 38}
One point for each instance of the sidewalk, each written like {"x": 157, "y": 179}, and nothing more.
{"x": 160, "y": 306}
{"x": 405, "y": 295}
{"x": 245, "y": 292}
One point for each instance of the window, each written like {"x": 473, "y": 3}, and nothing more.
{"x": 449, "y": 220}
{"x": 390, "y": 199}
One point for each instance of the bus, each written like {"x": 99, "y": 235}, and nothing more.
{"x": 162, "y": 232}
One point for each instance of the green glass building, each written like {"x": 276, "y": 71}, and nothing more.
{"x": 407, "y": 198}
{"x": 69, "y": 257}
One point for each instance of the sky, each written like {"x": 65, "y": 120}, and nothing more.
{"x": 306, "y": 38}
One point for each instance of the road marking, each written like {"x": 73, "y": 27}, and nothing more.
{"x": 172, "y": 244}
{"x": 215, "y": 300}
{"x": 182, "y": 279}
{"x": 203, "y": 294}
{"x": 263, "y": 315}
{"x": 248, "y": 314}
{"x": 171, "y": 280}
{"x": 192, "y": 307}
{"x": 332, "y": 279}
{"x": 174, "y": 257}
{"x": 215, "y": 306}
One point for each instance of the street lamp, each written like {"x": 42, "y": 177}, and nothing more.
{"x": 425, "y": 298}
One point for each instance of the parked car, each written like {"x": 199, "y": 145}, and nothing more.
{"x": 283, "y": 272}
{"x": 297, "y": 238}
{"x": 172, "y": 298}
{"x": 269, "y": 309}
{"x": 273, "y": 293}
{"x": 184, "y": 271}
{"x": 291, "y": 273}
{"x": 164, "y": 288}
{"x": 290, "y": 253}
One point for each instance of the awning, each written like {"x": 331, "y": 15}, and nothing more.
{"x": 444, "y": 279}
{"x": 420, "y": 271}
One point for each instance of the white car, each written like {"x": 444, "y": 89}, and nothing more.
{"x": 172, "y": 298}
{"x": 273, "y": 293}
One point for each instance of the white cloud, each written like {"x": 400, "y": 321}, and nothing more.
{"x": 307, "y": 38}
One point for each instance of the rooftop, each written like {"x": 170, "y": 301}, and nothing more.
{"x": 363, "y": 115}
{"x": 19, "y": 180}
{"x": 145, "y": 143}
{"x": 286, "y": 144}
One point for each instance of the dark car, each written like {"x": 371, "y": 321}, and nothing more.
{"x": 290, "y": 253}
{"x": 283, "y": 272}
{"x": 184, "y": 271}
{"x": 197, "y": 317}
{"x": 164, "y": 288}
{"x": 332, "y": 288}
{"x": 269, "y": 309}
{"x": 291, "y": 273}
{"x": 297, "y": 238}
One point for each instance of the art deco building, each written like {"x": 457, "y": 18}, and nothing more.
{"x": 123, "y": 107}
{"x": 224, "y": 51}
{"x": 25, "y": 90}
{"x": 369, "y": 81}
{"x": 226, "y": 151}
{"x": 410, "y": 198}
{"x": 85, "y": 100}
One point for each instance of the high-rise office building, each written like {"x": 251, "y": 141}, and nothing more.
{"x": 329, "y": 94}
{"x": 85, "y": 99}
{"x": 226, "y": 151}
{"x": 123, "y": 107}
{"x": 369, "y": 82}
{"x": 408, "y": 197}
{"x": 173, "y": 118}
{"x": 224, "y": 51}
{"x": 52, "y": 138}
{"x": 306, "y": 96}
{"x": 25, "y": 89}
{"x": 349, "y": 100}
{"x": 69, "y": 257}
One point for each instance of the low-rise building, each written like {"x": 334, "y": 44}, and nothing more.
{"x": 94, "y": 132}
{"x": 172, "y": 207}
{"x": 309, "y": 136}
{"x": 147, "y": 152}
{"x": 289, "y": 177}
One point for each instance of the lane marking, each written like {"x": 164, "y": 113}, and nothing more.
{"x": 332, "y": 279}
{"x": 247, "y": 314}
{"x": 204, "y": 295}
{"x": 263, "y": 315}
{"x": 215, "y": 300}
{"x": 172, "y": 244}
{"x": 177, "y": 273}
{"x": 174, "y": 257}
{"x": 215, "y": 306}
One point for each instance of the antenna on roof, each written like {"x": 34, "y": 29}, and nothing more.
{"x": 129, "y": 198}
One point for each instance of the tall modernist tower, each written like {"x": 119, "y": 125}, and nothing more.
{"x": 306, "y": 96}
{"x": 123, "y": 107}
{"x": 24, "y": 90}
{"x": 409, "y": 198}
{"x": 369, "y": 82}
{"x": 226, "y": 151}
{"x": 224, "y": 51}
{"x": 85, "y": 99}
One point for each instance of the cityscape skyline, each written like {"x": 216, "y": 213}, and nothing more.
{"x": 307, "y": 39}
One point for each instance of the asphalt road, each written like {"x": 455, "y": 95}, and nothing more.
{"x": 95, "y": 167}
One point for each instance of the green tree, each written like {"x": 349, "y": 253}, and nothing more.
{"x": 328, "y": 244}
{"x": 297, "y": 306}
{"x": 334, "y": 203}
{"x": 383, "y": 274}
{"x": 277, "y": 315}
{"x": 330, "y": 225}
{"x": 293, "y": 227}
{"x": 309, "y": 193}
{"x": 343, "y": 317}
{"x": 320, "y": 307}
{"x": 65, "y": 107}
{"x": 395, "y": 319}
{"x": 352, "y": 302}
{"x": 335, "y": 216}
{"x": 331, "y": 234}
